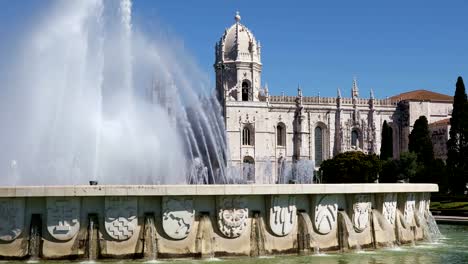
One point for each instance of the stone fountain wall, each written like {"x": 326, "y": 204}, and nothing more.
{"x": 208, "y": 221}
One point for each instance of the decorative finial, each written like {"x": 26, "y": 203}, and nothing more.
{"x": 338, "y": 92}
{"x": 237, "y": 17}
{"x": 299, "y": 91}
{"x": 371, "y": 93}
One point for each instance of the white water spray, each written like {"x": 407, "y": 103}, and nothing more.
{"x": 95, "y": 100}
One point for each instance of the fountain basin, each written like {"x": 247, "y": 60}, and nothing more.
{"x": 173, "y": 221}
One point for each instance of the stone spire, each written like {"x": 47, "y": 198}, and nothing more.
{"x": 237, "y": 18}
{"x": 372, "y": 99}
{"x": 298, "y": 127}
{"x": 355, "y": 89}
{"x": 338, "y": 98}
{"x": 299, "y": 96}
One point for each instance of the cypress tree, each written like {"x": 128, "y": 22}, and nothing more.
{"x": 386, "y": 146}
{"x": 457, "y": 145}
{"x": 420, "y": 141}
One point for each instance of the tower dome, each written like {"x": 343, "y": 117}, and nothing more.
{"x": 237, "y": 64}
{"x": 238, "y": 44}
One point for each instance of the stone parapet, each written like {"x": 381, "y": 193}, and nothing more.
{"x": 240, "y": 189}
{"x": 156, "y": 221}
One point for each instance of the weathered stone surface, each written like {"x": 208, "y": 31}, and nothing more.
{"x": 325, "y": 214}
{"x": 424, "y": 203}
{"x": 283, "y": 214}
{"x": 410, "y": 208}
{"x": 178, "y": 216}
{"x": 361, "y": 208}
{"x": 232, "y": 215}
{"x": 11, "y": 218}
{"x": 120, "y": 217}
{"x": 274, "y": 229}
{"x": 63, "y": 214}
{"x": 187, "y": 190}
{"x": 389, "y": 207}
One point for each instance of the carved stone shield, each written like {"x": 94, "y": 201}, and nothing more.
{"x": 389, "y": 207}
{"x": 178, "y": 216}
{"x": 11, "y": 218}
{"x": 63, "y": 217}
{"x": 121, "y": 217}
{"x": 325, "y": 214}
{"x": 410, "y": 206}
{"x": 361, "y": 208}
{"x": 232, "y": 215}
{"x": 282, "y": 214}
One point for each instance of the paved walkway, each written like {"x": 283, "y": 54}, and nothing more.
{"x": 443, "y": 219}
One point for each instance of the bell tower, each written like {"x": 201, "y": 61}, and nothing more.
{"x": 237, "y": 64}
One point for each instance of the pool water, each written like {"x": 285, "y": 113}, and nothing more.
{"x": 452, "y": 248}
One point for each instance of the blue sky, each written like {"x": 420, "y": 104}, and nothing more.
{"x": 391, "y": 46}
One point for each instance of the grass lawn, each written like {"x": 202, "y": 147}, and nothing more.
{"x": 449, "y": 205}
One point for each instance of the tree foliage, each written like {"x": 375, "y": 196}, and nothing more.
{"x": 386, "y": 146}
{"x": 420, "y": 141}
{"x": 351, "y": 167}
{"x": 400, "y": 170}
{"x": 457, "y": 145}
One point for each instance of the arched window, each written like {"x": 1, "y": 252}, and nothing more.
{"x": 281, "y": 135}
{"x": 248, "y": 169}
{"x": 245, "y": 91}
{"x": 318, "y": 146}
{"x": 354, "y": 138}
{"x": 247, "y": 136}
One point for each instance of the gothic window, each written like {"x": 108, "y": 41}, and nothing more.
{"x": 281, "y": 135}
{"x": 354, "y": 138}
{"x": 245, "y": 91}
{"x": 248, "y": 169}
{"x": 247, "y": 135}
{"x": 318, "y": 146}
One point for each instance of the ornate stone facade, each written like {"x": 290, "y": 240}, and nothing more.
{"x": 268, "y": 133}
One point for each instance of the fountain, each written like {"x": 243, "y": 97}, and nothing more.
{"x": 96, "y": 101}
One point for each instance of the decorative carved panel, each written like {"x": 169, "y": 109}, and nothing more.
{"x": 11, "y": 218}
{"x": 121, "y": 217}
{"x": 283, "y": 214}
{"x": 178, "y": 216}
{"x": 232, "y": 215}
{"x": 325, "y": 214}
{"x": 63, "y": 215}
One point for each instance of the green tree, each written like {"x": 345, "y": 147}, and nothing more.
{"x": 420, "y": 141}
{"x": 351, "y": 167}
{"x": 408, "y": 167}
{"x": 386, "y": 146}
{"x": 457, "y": 145}
{"x": 399, "y": 170}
